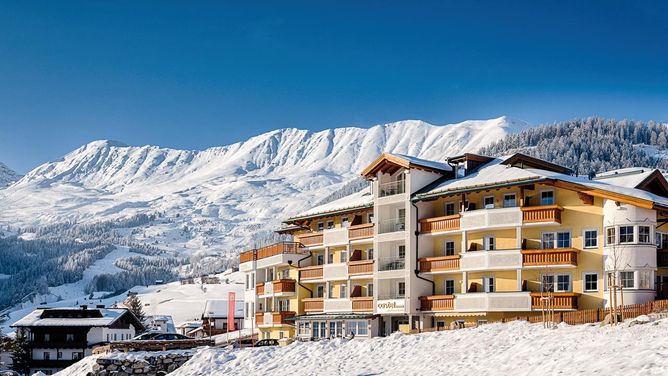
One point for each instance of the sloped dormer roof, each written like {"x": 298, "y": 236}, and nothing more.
{"x": 391, "y": 162}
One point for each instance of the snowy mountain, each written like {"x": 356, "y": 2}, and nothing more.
{"x": 223, "y": 197}
{"x": 7, "y": 176}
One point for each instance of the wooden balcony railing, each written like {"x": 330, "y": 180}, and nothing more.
{"x": 447, "y": 223}
{"x": 555, "y": 256}
{"x": 362, "y": 304}
{"x": 437, "y": 303}
{"x": 662, "y": 258}
{"x": 259, "y": 289}
{"x": 278, "y": 286}
{"x": 313, "y": 304}
{"x": 277, "y": 318}
{"x": 309, "y": 240}
{"x": 360, "y": 231}
{"x": 271, "y": 250}
{"x": 538, "y": 214}
{"x": 247, "y": 256}
{"x": 310, "y": 272}
{"x": 360, "y": 267}
{"x": 439, "y": 264}
{"x": 562, "y": 300}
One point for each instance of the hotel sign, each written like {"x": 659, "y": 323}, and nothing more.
{"x": 391, "y": 306}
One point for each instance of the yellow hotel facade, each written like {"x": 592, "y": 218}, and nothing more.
{"x": 473, "y": 239}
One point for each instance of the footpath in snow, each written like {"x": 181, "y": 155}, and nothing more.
{"x": 517, "y": 348}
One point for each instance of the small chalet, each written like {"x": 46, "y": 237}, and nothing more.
{"x": 214, "y": 318}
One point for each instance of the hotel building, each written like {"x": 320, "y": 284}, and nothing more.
{"x": 472, "y": 239}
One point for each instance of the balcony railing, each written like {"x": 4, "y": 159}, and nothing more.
{"x": 271, "y": 250}
{"x": 662, "y": 258}
{"x": 556, "y": 256}
{"x": 313, "y": 304}
{"x": 311, "y": 272}
{"x": 561, "y": 300}
{"x": 392, "y": 225}
{"x": 438, "y": 224}
{"x": 360, "y": 267}
{"x": 437, "y": 303}
{"x": 360, "y": 231}
{"x": 277, "y": 286}
{"x": 247, "y": 256}
{"x": 439, "y": 264}
{"x": 259, "y": 289}
{"x": 273, "y": 318}
{"x": 362, "y": 304}
{"x": 309, "y": 240}
{"x": 538, "y": 214}
{"x": 391, "y": 263}
{"x": 392, "y": 188}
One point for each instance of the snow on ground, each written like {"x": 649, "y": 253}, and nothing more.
{"x": 518, "y": 348}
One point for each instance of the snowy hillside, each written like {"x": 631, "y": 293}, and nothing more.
{"x": 7, "y": 175}
{"x": 221, "y": 197}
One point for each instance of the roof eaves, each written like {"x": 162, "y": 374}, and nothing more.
{"x": 507, "y": 183}
{"x": 328, "y": 213}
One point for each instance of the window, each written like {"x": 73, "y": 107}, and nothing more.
{"x": 401, "y": 289}
{"x": 47, "y": 355}
{"x": 369, "y": 289}
{"x": 344, "y": 256}
{"x": 330, "y": 225}
{"x": 626, "y": 234}
{"x": 509, "y": 200}
{"x": 644, "y": 279}
{"x": 247, "y": 281}
{"x": 591, "y": 238}
{"x": 77, "y": 355}
{"x": 47, "y": 337}
{"x": 321, "y": 226}
{"x": 320, "y": 291}
{"x": 401, "y": 252}
{"x": 450, "y": 208}
{"x": 552, "y": 240}
{"x": 449, "y": 248}
{"x": 547, "y": 284}
{"x": 285, "y": 273}
{"x": 488, "y": 243}
{"x": 488, "y": 284}
{"x": 344, "y": 222}
{"x": 563, "y": 239}
{"x": 627, "y": 278}
{"x": 488, "y": 202}
{"x": 643, "y": 234}
{"x": 369, "y": 254}
{"x": 591, "y": 281}
{"x": 440, "y": 324}
{"x": 283, "y": 305}
{"x": 320, "y": 259}
{"x": 548, "y": 240}
{"x": 449, "y": 287}
{"x": 343, "y": 291}
{"x": 610, "y": 236}
{"x": 563, "y": 282}
{"x": 319, "y": 329}
{"x": 304, "y": 329}
{"x": 335, "y": 328}
{"x": 370, "y": 218}
{"x": 547, "y": 198}
{"x": 662, "y": 240}
{"x": 330, "y": 258}
{"x": 358, "y": 328}
{"x": 331, "y": 291}
{"x": 69, "y": 337}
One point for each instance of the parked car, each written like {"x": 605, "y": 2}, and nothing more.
{"x": 144, "y": 336}
{"x": 240, "y": 343}
{"x": 266, "y": 342}
{"x": 159, "y": 337}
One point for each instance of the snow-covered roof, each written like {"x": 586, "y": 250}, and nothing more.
{"x": 217, "y": 308}
{"x": 626, "y": 177}
{"x": 360, "y": 199}
{"x": 106, "y": 317}
{"x": 436, "y": 165}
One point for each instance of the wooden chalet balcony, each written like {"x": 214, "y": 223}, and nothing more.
{"x": 309, "y": 240}
{"x": 247, "y": 256}
{"x": 277, "y": 286}
{"x": 310, "y": 272}
{"x": 438, "y": 224}
{"x": 362, "y": 304}
{"x": 437, "y": 303}
{"x": 360, "y": 267}
{"x": 538, "y": 214}
{"x": 259, "y": 289}
{"x": 313, "y": 304}
{"x": 439, "y": 264}
{"x": 662, "y": 258}
{"x": 556, "y": 256}
{"x": 271, "y": 250}
{"x": 362, "y": 231}
{"x": 562, "y": 300}
{"x": 273, "y": 318}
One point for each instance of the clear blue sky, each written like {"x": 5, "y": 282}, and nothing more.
{"x": 196, "y": 74}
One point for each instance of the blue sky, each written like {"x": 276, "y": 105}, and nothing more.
{"x": 199, "y": 74}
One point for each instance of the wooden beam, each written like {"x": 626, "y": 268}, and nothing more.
{"x": 586, "y": 199}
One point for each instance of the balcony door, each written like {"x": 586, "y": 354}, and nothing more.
{"x": 488, "y": 284}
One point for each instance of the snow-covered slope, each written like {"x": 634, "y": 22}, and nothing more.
{"x": 7, "y": 176}
{"x": 223, "y": 195}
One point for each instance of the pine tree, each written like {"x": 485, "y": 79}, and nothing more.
{"x": 21, "y": 354}
{"x": 135, "y": 306}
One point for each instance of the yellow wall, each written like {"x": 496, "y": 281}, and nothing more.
{"x": 439, "y": 243}
{"x": 504, "y": 239}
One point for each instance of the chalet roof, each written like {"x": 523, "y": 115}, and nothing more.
{"x": 629, "y": 177}
{"x": 391, "y": 162}
{"x": 217, "y": 308}
{"x": 526, "y": 161}
{"x": 355, "y": 201}
{"x": 100, "y": 317}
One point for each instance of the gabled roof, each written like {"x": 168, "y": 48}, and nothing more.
{"x": 217, "y": 308}
{"x": 391, "y": 162}
{"x": 646, "y": 179}
{"x": 358, "y": 200}
{"x": 92, "y": 317}
{"x": 525, "y": 161}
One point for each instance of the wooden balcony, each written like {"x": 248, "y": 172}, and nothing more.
{"x": 439, "y": 264}
{"x": 277, "y": 286}
{"x": 259, "y": 289}
{"x": 662, "y": 258}
{"x": 310, "y": 240}
{"x": 271, "y": 250}
{"x": 360, "y": 267}
{"x": 362, "y": 304}
{"x": 362, "y": 231}
{"x": 437, "y": 303}
{"x": 273, "y": 318}
{"x": 310, "y": 272}
{"x": 247, "y": 256}
{"x": 556, "y": 256}
{"x": 540, "y": 214}
{"x": 313, "y": 304}
{"x": 438, "y": 224}
{"x": 562, "y": 300}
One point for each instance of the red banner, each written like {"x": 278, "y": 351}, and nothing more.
{"x": 231, "y": 306}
